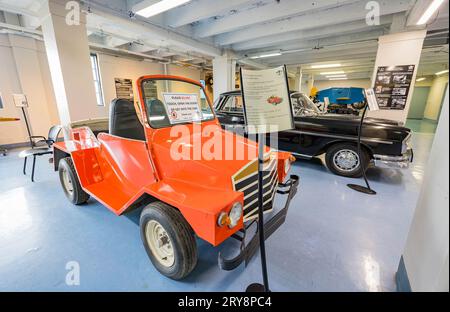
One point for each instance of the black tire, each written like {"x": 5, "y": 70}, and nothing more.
{"x": 355, "y": 172}
{"x": 77, "y": 196}
{"x": 181, "y": 238}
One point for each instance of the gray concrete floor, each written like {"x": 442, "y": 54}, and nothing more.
{"x": 335, "y": 239}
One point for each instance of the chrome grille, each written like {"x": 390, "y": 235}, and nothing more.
{"x": 249, "y": 186}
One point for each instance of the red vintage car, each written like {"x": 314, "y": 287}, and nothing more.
{"x": 148, "y": 157}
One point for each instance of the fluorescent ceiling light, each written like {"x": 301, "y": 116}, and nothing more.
{"x": 442, "y": 72}
{"x": 325, "y": 66}
{"x": 337, "y": 76}
{"x": 343, "y": 78}
{"x": 266, "y": 55}
{"x": 152, "y": 8}
{"x": 429, "y": 12}
{"x": 333, "y": 73}
{"x": 421, "y": 79}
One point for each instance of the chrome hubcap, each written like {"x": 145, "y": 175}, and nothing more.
{"x": 346, "y": 160}
{"x": 159, "y": 242}
{"x": 67, "y": 182}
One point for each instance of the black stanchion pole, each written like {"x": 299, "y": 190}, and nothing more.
{"x": 28, "y": 126}
{"x": 256, "y": 287}
{"x": 359, "y": 188}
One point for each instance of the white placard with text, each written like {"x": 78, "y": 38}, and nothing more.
{"x": 267, "y": 104}
{"x": 182, "y": 107}
{"x": 371, "y": 99}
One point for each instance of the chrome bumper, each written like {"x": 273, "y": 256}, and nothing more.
{"x": 398, "y": 162}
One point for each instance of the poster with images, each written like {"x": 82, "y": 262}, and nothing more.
{"x": 267, "y": 104}
{"x": 124, "y": 88}
{"x": 392, "y": 85}
{"x": 182, "y": 107}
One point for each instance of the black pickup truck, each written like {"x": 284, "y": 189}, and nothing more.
{"x": 385, "y": 143}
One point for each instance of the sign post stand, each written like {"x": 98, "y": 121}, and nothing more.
{"x": 372, "y": 102}
{"x": 267, "y": 108}
{"x": 256, "y": 287}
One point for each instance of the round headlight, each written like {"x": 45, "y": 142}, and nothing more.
{"x": 287, "y": 165}
{"x": 235, "y": 214}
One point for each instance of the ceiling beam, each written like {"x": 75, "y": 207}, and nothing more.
{"x": 346, "y": 13}
{"x": 316, "y": 33}
{"x": 157, "y": 35}
{"x": 201, "y": 9}
{"x": 325, "y": 42}
{"x": 270, "y": 11}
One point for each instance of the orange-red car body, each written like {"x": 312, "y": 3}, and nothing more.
{"x": 118, "y": 172}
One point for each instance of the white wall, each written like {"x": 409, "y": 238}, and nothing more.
{"x": 434, "y": 101}
{"x": 426, "y": 251}
{"x": 25, "y": 69}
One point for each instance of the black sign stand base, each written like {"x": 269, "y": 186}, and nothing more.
{"x": 256, "y": 287}
{"x": 359, "y": 188}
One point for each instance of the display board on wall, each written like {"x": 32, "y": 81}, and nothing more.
{"x": 392, "y": 85}
{"x": 266, "y": 100}
{"x": 124, "y": 88}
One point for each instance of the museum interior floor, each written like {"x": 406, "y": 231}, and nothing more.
{"x": 334, "y": 239}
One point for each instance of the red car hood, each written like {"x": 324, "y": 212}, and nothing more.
{"x": 199, "y": 168}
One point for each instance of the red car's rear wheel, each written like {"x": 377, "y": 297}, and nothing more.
{"x": 70, "y": 183}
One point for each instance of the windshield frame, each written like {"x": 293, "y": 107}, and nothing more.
{"x": 146, "y": 117}
{"x": 313, "y": 108}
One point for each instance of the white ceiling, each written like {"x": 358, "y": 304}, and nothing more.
{"x": 305, "y": 32}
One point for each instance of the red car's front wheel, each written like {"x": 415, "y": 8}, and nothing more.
{"x": 168, "y": 240}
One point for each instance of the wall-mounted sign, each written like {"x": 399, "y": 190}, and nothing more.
{"x": 392, "y": 85}
{"x": 124, "y": 88}
{"x": 20, "y": 100}
{"x": 267, "y": 104}
{"x": 182, "y": 107}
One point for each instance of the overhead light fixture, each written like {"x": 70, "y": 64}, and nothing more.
{"x": 337, "y": 76}
{"x": 333, "y": 73}
{"x": 421, "y": 79}
{"x": 266, "y": 55}
{"x": 429, "y": 12}
{"x": 442, "y": 72}
{"x": 342, "y": 78}
{"x": 325, "y": 66}
{"x": 154, "y": 7}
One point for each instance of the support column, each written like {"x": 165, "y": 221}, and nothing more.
{"x": 67, "y": 50}
{"x": 298, "y": 79}
{"x": 424, "y": 264}
{"x": 398, "y": 49}
{"x": 310, "y": 84}
{"x": 224, "y": 75}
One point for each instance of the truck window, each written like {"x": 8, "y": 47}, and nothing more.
{"x": 169, "y": 102}
{"x": 233, "y": 104}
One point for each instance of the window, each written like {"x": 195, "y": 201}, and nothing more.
{"x": 233, "y": 104}
{"x": 171, "y": 101}
{"x": 97, "y": 81}
{"x": 1, "y": 101}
